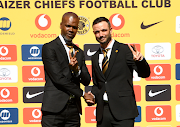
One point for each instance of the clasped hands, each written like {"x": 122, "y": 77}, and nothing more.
{"x": 89, "y": 98}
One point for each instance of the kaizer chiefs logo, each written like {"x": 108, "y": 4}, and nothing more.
{"x": 83, "y": 26}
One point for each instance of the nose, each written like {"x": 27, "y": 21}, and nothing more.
{"x": 71, "y": 29}
{"x": 99, "y": 34}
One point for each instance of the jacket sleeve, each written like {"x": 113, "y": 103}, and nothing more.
{"x": 58, "y": 71}
{"x": 85, "y": 77}
{"x": 95, "y": 89}
{"x": 141, "y": 67}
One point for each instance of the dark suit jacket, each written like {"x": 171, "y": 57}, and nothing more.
{"x": 117, "y": 82}
{"x": 60, "y": 82}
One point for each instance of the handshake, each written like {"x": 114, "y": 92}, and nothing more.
{"x": 89, "y": 98}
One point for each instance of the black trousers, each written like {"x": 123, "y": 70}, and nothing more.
{"x": 108, "y": 120}
{"x": 68, "y": 117}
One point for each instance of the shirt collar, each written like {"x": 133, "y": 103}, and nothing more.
{"x": 110, "y": 45}
{"x": 62, "y": 40}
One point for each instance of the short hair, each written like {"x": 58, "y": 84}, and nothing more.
{"x": 100, "y": 19}
{"x": 74, "y": 15}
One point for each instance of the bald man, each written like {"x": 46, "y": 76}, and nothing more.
{"x": 65, "y": 69}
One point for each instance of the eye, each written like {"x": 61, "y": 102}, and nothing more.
{"x": 96, "y": 32}
{"x": 74, "y": 27}
{"x": 104, "y": 30}
{"x": 68, "y": 26}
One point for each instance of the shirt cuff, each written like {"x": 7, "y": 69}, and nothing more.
{"x": 142, "y": 58}
{"x": 83, "y": 93}
{"x": 77, "y": 73}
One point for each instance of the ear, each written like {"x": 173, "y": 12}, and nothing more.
{"x": 93, "y": 29}
{"x": 60, "y": 25}
{"x": 111, "y": 30}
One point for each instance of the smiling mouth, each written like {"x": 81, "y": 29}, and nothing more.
{"x": 102, "y": 39}
{"x": 70, "y": 35}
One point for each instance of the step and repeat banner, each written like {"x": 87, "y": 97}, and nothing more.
{"x": 152, "y": 25}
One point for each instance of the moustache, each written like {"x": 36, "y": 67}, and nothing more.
{"x": 101, "y": 37}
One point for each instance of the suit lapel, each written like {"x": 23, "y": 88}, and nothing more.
{"x": 62, "y": 49}
{"x": 112, "y": 59}
{"x": 96, "y": 62}
{"x": 78, "y": 53}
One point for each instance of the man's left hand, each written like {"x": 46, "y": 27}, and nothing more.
{"x": 73, "y": 62}
{"x": 136, "y": 54}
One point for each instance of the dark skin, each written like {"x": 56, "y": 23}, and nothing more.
{"x": 69, "y": 28}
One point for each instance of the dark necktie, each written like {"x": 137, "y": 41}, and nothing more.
{"x": 105, "y": 61}
{"x": 71, "y": 49}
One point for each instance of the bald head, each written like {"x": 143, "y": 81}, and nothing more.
{"x": 68, "y": 15}
{"x": 69, "y": 26}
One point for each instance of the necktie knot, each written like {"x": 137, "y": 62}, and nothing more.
{"x": 69, "y": 46}
{"x": 71, "y": 49}
{"x": 105, "y": 51}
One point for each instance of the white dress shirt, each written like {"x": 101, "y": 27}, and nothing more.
{"x": 101, "y": 57}
{"x": 65, "y": 46}
{"x": 67, "y": 51}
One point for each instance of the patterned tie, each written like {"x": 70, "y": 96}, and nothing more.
{"x": 71, "y": 49}
{"x": 105, "y": 61}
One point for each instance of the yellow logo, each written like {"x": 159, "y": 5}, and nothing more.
{"x": 84, "y": 25}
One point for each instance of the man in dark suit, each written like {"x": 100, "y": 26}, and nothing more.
{"x": 65, "y": 69}
{"x": 112, "y": 72}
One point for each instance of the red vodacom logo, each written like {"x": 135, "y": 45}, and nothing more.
{"x": 160, "y": 72}
{"x": 117, "y": 21}
{"x": 43, "y": 22}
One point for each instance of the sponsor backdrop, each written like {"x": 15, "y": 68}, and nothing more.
{"x": 153, "y": 25}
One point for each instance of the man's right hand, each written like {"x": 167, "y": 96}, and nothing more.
{"x": 89, "y": 97}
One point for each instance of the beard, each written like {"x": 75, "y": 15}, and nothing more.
{"x": 68, "y": 41}
{"x": 105, "y": 42}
